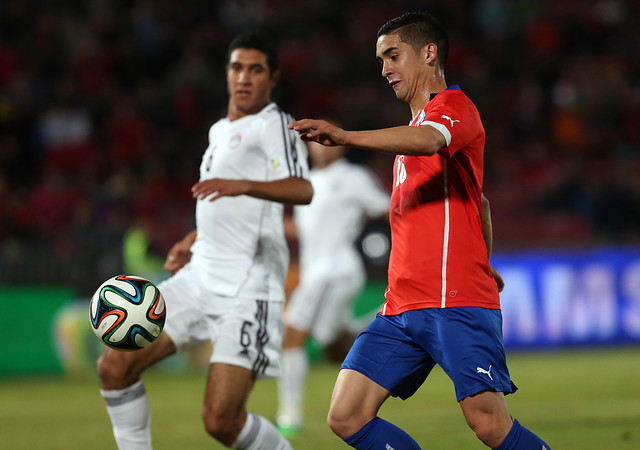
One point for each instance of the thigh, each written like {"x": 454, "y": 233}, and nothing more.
{"x": 249, "y": 335}
{"x": 467, "y": 343}
{"x": 355, "y": 401}
{"x": 387, "y": 355}
{"x": 185, "y": 323}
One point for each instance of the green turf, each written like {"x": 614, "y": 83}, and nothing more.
{"x": 574, "y": 400}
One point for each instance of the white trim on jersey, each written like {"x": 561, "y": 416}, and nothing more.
{"x": 441, "y": 128}
{"x": 445, "y": 242}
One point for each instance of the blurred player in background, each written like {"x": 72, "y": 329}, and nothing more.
{"x": 442, "y": 303}
{"x": 332, "y": 272}
{"x": 229, "y": 273}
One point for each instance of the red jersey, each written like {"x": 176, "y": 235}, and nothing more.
{"x": 438, "y": 254}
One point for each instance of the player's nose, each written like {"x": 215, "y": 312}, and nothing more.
{"x": 244, "y": 76}
{"x": 386, "y": 70}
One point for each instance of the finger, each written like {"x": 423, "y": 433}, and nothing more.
{"x": 298, "y": 124}
{"x": 203, "y": 191}
{"x": 216, "y": 195}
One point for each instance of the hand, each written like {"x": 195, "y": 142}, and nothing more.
{"x": 319, "y": 131}
{"x": 498, "y": 278}
{"x": 218, "y": 187}
{"x": 178, "y": 256}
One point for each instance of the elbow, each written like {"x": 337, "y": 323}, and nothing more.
{"x": 486, "y": 206}
{"x": 306, "y": 194}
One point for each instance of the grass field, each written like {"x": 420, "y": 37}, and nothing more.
{"x": 574, "y": 400}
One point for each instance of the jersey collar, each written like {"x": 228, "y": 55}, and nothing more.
{"x": 423, "y": 113}
{"x": 455, "y": 87}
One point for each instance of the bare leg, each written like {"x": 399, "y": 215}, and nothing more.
{"x": 117, "y": 369}
{"x": 488, "y": 416}
{"x": 355, "y": 401}
{"x": 225, "y": 416}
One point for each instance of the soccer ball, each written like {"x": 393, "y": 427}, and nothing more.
{"x": 127, "y": 312}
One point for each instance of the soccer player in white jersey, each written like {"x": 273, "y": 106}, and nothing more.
{"x": 331, "y": 270}
{"x": 229, "y": 273}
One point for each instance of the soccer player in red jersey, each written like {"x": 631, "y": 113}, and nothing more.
{"x": 442, "y": 304}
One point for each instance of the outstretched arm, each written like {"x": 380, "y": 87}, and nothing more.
{"x": 291, "y": 190}
{"x": 415, "y": 141}
{"x": 487, "y": 233}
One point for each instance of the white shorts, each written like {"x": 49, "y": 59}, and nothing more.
{"x": 243, "y": 332}
{"x": 323, "y": 306}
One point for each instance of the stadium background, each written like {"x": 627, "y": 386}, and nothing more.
{"x": 105, "y": 107}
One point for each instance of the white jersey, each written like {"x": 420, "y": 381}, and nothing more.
{"x": 240, "y": 249}
{"x": 344, "y": 196}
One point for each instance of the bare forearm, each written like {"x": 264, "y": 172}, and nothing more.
{"x": 487, "y": 227}
{"x": 292, "y": 190}
{"x": 415, "y": 141}
{"x": 406, "y": 140}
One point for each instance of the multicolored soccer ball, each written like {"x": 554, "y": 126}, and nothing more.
{"x": 127, "y": 312}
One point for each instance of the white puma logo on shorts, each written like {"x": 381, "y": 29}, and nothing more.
{"x": 488, "y": 372}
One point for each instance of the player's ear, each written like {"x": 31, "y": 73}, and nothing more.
{"x": 430, "y": 53}
{"x": 275, "y": 77}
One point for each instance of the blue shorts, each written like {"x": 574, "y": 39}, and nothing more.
{"x": 398, "y": 352}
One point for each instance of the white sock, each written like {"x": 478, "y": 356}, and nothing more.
{"x": 260, "y": 434}
{"x": 130, "y": 416}
{"x": 294, "y": 368}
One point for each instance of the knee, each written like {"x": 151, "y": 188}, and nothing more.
{"x": 344, "y": 424}
{"x": 114, "y": 372}
{"x": 224, "y": 429}
{"x": 488, "y": 430}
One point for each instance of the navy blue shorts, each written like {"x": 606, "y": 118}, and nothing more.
{"x": 398, "y": 352}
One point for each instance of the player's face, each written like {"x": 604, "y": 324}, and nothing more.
{"x": 404, "y": 70}
{"x": 249, "y": 80}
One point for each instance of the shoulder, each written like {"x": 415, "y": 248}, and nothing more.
{"x": 272, "y": 113}
{"x": 218, "y": 126}
{"x": 454, "y": 103}
{"x": 219, "y": 123}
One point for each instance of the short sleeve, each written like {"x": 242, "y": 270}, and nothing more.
{"x": 456, "y": 117}
{"x": 285, "y": 152}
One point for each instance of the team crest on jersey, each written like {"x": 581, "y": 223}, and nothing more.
{"x": 274, "y": 162}
{"x": 235, "y": 141}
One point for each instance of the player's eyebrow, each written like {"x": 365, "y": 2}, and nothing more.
{"x": 238, "y": 64}
{"x": 386, "y": 52}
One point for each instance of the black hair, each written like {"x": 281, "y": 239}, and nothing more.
{"x": 417, "y": 29}
{"x": 256, "y": 40}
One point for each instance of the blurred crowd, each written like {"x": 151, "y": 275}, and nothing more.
{"x": 105, "y": 107}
